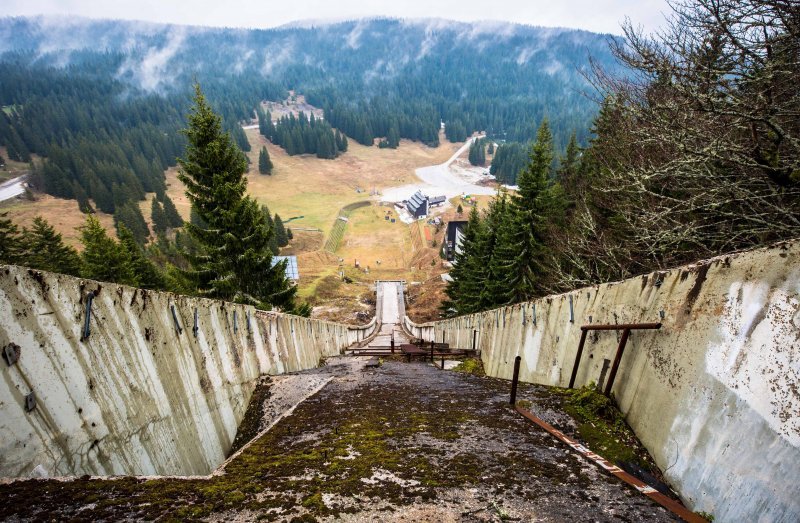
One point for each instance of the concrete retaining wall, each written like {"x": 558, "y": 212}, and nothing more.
{"x": 714, "y": 395}
{"x": 138, "y": 396}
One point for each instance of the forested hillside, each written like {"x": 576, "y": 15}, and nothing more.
{"x": 103, "y": 100}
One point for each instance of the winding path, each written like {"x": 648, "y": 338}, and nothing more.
{"x": 438, "y": 180}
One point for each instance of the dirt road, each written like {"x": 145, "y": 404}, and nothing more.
{"x": 439, "y": 180}
{"x": 12, "y": 188}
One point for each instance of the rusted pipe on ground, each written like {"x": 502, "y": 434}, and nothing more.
{"x": 665, "y": 501}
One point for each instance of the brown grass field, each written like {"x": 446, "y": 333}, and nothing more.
{"x": 11, "y": 169}
{"x": 63, "y": 215}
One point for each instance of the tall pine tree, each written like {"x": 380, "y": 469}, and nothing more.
{"x": 10, "y": 243}
{"x": 45, "y": 249}
{"x": 235, "y": 262}
{"x": 158, "y": 217}
{"x": 145, "y": 272}
{"x": 173, "y": 218}
{"x": 468, "y": 272}
{"x": 103, "y": 258}
{"x": 280, "y": 232}
{"x": 534, "y": 206}
{"x": 264, "y": 162}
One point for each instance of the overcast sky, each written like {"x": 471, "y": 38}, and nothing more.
{"x": 593, "y": 15}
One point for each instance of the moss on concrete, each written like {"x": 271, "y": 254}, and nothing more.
{"x": 602, "y": 426}
{"x": 472, "y": 366}
{"x": 405, "y": 434}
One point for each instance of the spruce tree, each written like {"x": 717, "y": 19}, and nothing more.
{"x": 235, "y": 262}
{"x": 130, "y": 215}
{"x": 568, "y": 168}
{"x": 273, "y": 241}
{"x": 158, "y": 217}
{"x": 10, "y": 243}
{"x": 145, "y": 272}
{"x": 103, "y": 258}
{"x": 468, "y": 272}
{"x": 264, "y": 162}
{"x": 533, "y": 207}
{"x": 173, "y": 218}
{"x": 280, "y": 232}
{"x": 393, "y": 138}
{"x": 82, "y": 197}
{"x": 45, "y": 249}
{"x": 499, "y": 250}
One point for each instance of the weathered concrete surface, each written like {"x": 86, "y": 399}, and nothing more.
{"x": 714, "y": 395}
{"x": 137, "y": 396}
{"x": 403, "y": 442}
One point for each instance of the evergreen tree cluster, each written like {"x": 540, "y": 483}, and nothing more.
{"x": 282, "y": 235}
{"x": 264, "y": 162}
{"x": 129, "y": 216}
{"x": 675, "y": 171}
{"x": 303, "y": 135}
{"x": 477, "y": 152}
{"x": 40, "y": 247}
{"x": 96, "y": 145}
{"x": 380, "y": 118}
{"x": 106, "y": 133}
{"x": 392, "y": 140}
{"x": 227, "y": 253}
{"x": 103, "y": 258}
{"x": 456, "y": 131}
{"x": 504, "y": 253}
{"x": 164, "y": 215}
{"x": 508, "y": 161}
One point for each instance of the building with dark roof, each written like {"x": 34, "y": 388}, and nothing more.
{"x": 417, "y": 205}
{"x": 436, "y": 200}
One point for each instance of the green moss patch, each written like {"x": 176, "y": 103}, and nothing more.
{"x": 472, "y": 366}
{"x": 603, "y": 428}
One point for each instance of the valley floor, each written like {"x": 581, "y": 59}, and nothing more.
{"x": 399, "y": 442}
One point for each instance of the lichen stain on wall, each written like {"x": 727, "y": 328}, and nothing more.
{"x": 145, "y": 393}
{"x": 753, "y": 356}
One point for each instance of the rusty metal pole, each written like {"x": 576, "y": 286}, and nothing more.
{"x": 603, "y": 370}
{"x": 578, "y": 357}
{"x": 617, "y": 358}
{"x": 515, "y": 380}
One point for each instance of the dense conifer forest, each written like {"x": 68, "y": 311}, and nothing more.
{"x": 105, "y": 113}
